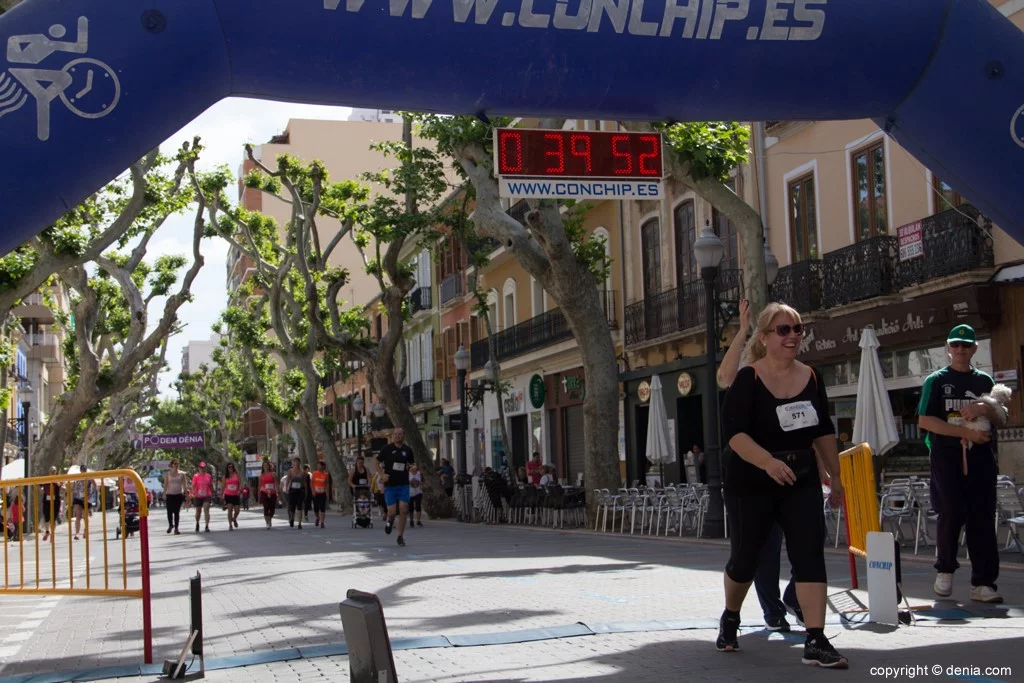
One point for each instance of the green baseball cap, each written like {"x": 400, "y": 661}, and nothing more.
{"x": 962, "y": 333}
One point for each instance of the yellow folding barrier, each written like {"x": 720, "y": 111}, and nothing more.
{"x": 60, "y": 579}
{"x": 857, "y": 472}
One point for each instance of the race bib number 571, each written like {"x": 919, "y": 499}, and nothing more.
{"x": 797, "y": 415}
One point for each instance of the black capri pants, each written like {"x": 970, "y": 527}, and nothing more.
{"x": 798, "y": 509}
{"x": 416, "y": 503}
{"x": 295, "y": 501}
{"x": 319, "y": 503}
{"x": 174, "y": 501}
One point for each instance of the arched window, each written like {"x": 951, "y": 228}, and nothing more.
{"x": 508, "y": 302}
{"x": 601, "y": 233}
{"x": 686, "y": 233}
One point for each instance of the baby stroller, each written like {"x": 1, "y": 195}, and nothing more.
{"x": 131, "y": 516}
{"x": 362, "y": 509}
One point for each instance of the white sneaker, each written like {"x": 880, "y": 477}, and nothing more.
{"x": 943, "y": 584}
{"x": 985, "y": 594}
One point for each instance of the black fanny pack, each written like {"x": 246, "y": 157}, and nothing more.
{"x": 802, "y": 462}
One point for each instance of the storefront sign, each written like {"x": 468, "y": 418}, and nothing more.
{"x": 538, "y": 392}
{"x": 920, "y": 320}
{"x": 911, "y": 241}
{"x": 684, "y": 384}
{"x": 513, "y": 403}
{"x": 1005, "y": 375}
{"x": 643, "y": 392}
{"x": 574, "y": 387}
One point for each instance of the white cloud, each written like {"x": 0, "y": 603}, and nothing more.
{"x": 223, "y": 129}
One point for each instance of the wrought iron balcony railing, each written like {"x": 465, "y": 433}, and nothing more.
{"x": 537, "y": 332}
{"x": 954, "y": 241}
{"x": 861, "y": 271}
{"x": 420, "y": 299}
{"x": 422, "y": 392}
{"x": 677, "y": 309}
{"x": 800, "y": 285}
{"x": 451, "y": 287}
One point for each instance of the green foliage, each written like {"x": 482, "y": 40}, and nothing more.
{"x": 711, "y": 150}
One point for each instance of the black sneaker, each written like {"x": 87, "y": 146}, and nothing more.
{"x": 777, "y": 624}
{"x": 401, "y": 541}
{"x": 419, "y": 524}
{"x": 197, "y": 527}
{"x": 388, "y": 524}
{"x": 791, "y": 603}
{"x": 207, "y": 529}
{"x": 819, "y": 652}
{"x": 727, "y": 631}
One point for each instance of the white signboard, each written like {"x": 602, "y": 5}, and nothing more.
{"x": 588, "y": 188}
{"x": 911, "y": 241}
{"x": 882, "y": 603}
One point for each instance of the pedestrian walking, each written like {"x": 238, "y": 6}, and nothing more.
{"x": 447, "y": 473}
{"x": 51, "y": 494}
{"x": 295, "y": 485}
{"x": 232, "y": 494}
{"x": 392, "y": 465}
{"x": 775, "y": 419}
{"x": 320, "y": 480}
{"x": 359, "y": 477}
{"x": 268, "y": 492}
{"x": 175, "y": 486}
{"x": 774, "y": 603}
{"x": 245, "y": 498}
{"x": 202, "y": 494}
{"x": 952, "y": 396}
{"x": 307, "y": 504}
{"x": 82, "y": 491}
{"x": 415, "y": 496}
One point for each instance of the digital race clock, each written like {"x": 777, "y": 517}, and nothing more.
{"x": 580, "y": 154}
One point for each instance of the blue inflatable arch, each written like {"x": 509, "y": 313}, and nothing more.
{"x": 89, "y": 86}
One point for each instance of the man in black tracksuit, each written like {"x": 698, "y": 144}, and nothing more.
{"x": 950, "y": 397}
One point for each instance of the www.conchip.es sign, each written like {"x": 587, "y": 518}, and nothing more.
{"x": 174, "y": 441}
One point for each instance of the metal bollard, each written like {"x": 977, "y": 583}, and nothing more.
{"x": 369, "y": 647}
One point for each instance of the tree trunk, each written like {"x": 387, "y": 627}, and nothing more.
{"x": 435, "y": 501}
{"x": 492, "y": 351}
{"x": 749, "y": 230}
{"x": 60, "y": 430}
{"x": 335, "y": 463}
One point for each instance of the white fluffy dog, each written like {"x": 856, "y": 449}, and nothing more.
{"x": 999, "y": 398}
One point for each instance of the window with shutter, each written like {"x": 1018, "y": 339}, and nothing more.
{"x": 439, "y": 364}
{"x": 426, "y": 348}
{"x": 450, "y": 348}
{"x": 414, "y": 359}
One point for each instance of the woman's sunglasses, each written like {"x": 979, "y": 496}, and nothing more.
{"x": 961, "y": 345}
{"x": 784, "y": 330}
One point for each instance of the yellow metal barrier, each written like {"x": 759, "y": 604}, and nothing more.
{"x": 60, "y": 580}
{"x": 857, "y": 472}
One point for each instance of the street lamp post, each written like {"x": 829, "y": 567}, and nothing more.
{"x": 709, "y": 251}
{"x": 461, "y": 366}
{"x": 358, "y": 405}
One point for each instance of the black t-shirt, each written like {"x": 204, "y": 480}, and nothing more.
{"x": 944, "y": 393}
{"x": 776, "y": 425}
{"x": 396, "y": 460}
{"x": 360, "y": 478}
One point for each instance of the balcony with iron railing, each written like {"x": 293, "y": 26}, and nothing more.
{"x": 954, "y": 241}
{"x": 451, "y": 287}
{"x": 420, "y": 299}
{"x": 536, "y": 333}
{"x": 678, "y": 309}
{"x": 422, "y": 392}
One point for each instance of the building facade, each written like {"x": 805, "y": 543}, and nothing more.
{"x": 197, "y": 353}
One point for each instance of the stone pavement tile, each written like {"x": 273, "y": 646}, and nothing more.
{"x": 272, "y": 590}
{"x": 672, "y": 656}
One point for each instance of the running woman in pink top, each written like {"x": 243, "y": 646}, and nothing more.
{"x": 232, "y": 488}
{"x": 202, "y": 494}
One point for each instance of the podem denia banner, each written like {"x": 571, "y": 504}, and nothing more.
{"x": 174, "y": 441}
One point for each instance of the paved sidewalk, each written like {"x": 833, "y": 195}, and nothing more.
{"x": 267, "y": 591}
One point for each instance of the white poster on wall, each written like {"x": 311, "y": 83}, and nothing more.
{"x": 622, "y": 432}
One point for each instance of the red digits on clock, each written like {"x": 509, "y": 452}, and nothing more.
{"x": 651, "y": 170}
{"x": 579, "y": 146}
{"x": 625, "y": 156}
{"x": 511, "y": 160}
{"x": 559, "y": 153}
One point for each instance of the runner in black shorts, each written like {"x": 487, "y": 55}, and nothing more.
{"x": 295, "y": 485}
